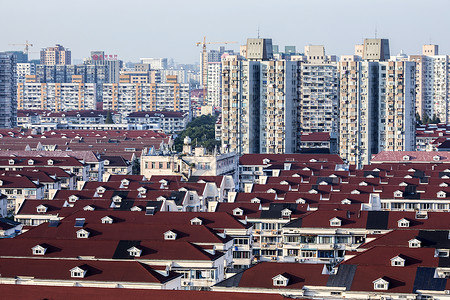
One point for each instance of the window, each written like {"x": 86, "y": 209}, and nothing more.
{"x": 403, "y": 223}
{"x": 134, "y": 251}
{"x": 38, "y": 250}
{"x": 82, "y": 234}
{"x": 77, "y": 272}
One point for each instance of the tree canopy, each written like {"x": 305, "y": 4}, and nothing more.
{"x": 201, "y": 130}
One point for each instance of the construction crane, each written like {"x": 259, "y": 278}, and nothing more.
{"x": 27, "y": 45}
{"x": 204, "y": 66}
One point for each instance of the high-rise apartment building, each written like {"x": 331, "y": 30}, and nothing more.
{"x": 214, "y": 90}
{"x": 155, "y": 63}
{"x": 8, "y": 96}
{"x": 24, "y": 70}
{"x": 260, "y": 102}
{"x": 319, "y": 100}
{"x": 56, "y": 96}
{"x": 132, "y": 97}
{"x": 432, "y": 83}
{"x": 57, "y": 55}
{"x": 377, "y": 105}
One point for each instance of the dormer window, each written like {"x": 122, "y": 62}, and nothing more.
{"x": 136, "y": 208}
{"x": 50, "y": 162}
{"x": 355, "y": 192}
{"x": 255, "y": 200}
{"x": 41, "y": 208}
{"x": 441, "y": 253}
{"x": 73, "y": 198}
{"x": 170, "y": 235}
{"x": 196, "y": 221}
{"x": 11, "y": 162}
{"x": 280, "y": 280}
{"x": 443, "y": 184}
{"x": 335, "y": 222}
{"x": 422, "y": 215}
{"x": 346, "y": 201}
{"x": 88, "y": 208}
{"x": 406, "y": 157}
{"x": 284, "y": 182}
{"x": 403, "y": 184}
{"x": 30, "y": 162}
{"x": 117, "y": 198}
{"x": 161, "y": 198}
{"x": 398, "y": 194}
{"x": 38, "y": 250}
{"x": 107, "y": 220}
{"x": 142, "y": 190}
{"x": 313, "y": 191}
{"x": 106, "y": 162}
{"x": 441, "y": 194}
{"x": 286, "y": 212}
{"x": 134, "y": 251}
{"x": 414, "y": 243}
{"x": 403, "y": 223}
{"x": 380, "y": 284}
{"x": 266, "y": 161}
{"x": 398, "y": 261}
{"x": 271, "y": 191}
{"x": 82, "y": 234}
{"x": 300, "y": 201}
{"x": 101, "y": 190}
{"x": 125, "y": 182}
{"x": 436, "y": 158}
{"x": 77, "y": 272}
{"x": 363, "y": 183}
{"x": 238, "y": 211}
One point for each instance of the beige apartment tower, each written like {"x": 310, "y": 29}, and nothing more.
{"x": 57, "y": 55}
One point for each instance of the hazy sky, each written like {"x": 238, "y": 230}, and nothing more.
{"x": 170, "y": 28}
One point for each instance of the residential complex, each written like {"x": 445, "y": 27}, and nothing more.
{"x": 134, "y": 97}
{"x": 56, "y": 96}
{"x": 260, "y": 102}
{"x": 377, "y": 105}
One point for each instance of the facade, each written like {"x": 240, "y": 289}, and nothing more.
{"x": 57, "y": 96}
{"x": 432, "y": 83}
{"x": 214, "y": 86}
{"x": 57, "y": 55}
{"x": 155, "y": 63}
{"x": 195, "y": 162}
{"x": 23, "y": 70}
{"x": 377, "y": 108}
{"x": 8, "y": 94}
{"x": 260, "y": 103}
{"x": 319, "y": 99}
{"x": 134, "y": 97}
{"x": 167, "y": 121}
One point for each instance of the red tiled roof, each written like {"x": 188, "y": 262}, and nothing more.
{"x": 260, "y": 275}
{"x": 88, "y": 293}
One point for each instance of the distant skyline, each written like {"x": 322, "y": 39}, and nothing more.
{"x": 136, "y": 28}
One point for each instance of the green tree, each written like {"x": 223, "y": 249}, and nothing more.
{"x": 418, "y": 120}
{"x": 109, "y": 118}
{"x": 201, "y": 130}
{"x": 136, "y": 167}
